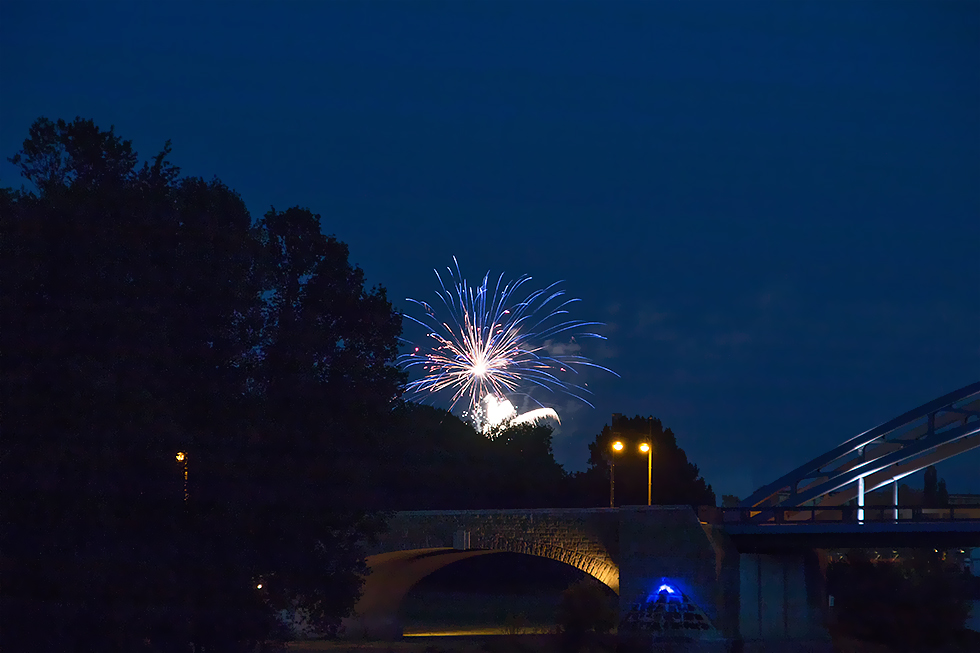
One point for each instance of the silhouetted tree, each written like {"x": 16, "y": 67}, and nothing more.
{"x": 934, "y": 492}
{"x": 145, "y": 314}
{"x": 942, "y": 494}
{"x": 90, "y": 424}
{"x": 431, "y": 459}
{"x": 929, "y": 487}
{"x": 527, "y": 474}
{"x": 729, "y": 501}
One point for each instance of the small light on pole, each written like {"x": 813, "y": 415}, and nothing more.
{"x": 648, "y": 450}
{"x": 182, "y": 458}
{"x": 617, "y": 447}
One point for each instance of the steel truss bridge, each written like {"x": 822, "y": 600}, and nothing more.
{"x": 878, "y": 458}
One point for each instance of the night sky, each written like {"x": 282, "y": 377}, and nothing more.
{"x": 774, "y": 207}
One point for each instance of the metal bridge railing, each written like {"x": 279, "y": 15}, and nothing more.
{"x": 840, "y": 514}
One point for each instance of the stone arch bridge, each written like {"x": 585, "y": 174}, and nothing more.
{"x": 632, "y": 550}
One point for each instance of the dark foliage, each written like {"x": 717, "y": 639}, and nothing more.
{"x": 430, "y": 459}
{"x": 729, "y": 501}
{"x": 934, "y": 492}
{"x": 910, "y": 604}
{"x": 146, "y": 314}
{"x": 583, "y": 608}
{"x": 676, "y": 481}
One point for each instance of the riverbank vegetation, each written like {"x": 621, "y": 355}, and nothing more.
{"x": 913, "y": 602}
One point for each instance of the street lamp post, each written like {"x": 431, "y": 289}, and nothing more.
{"x": 617, "y": 446}
{"x": 648, "y": 450}
{"x": 182, "y": 458}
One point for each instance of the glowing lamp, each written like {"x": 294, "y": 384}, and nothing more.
{"x": 644, "y": 447}
{"x": 259, "y": 586}
{"x": 181, "y": 456}
{"x": 617, "y": 446}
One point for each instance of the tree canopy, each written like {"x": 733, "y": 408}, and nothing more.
{"x": 146, "y": 314}
{"x": 934, "y": 492}
{"x": 452, "y": 466}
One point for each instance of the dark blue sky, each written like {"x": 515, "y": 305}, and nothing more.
{"x": 774, "y": 206}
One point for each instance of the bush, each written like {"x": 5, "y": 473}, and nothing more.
{"x": 516, "y": 624}
{"x": 910, "y": 604}
{"x": 584, "y": 608}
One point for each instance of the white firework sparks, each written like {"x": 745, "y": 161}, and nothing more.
{"x": 491, "y": 346}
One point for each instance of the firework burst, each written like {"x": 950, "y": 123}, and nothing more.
{"x": 494, "y": 342}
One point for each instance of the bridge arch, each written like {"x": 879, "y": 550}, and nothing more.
{"x": 420, "y": 542}
{"x": 587, "y": 539}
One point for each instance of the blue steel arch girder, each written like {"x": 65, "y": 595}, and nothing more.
{"x": 939, "y": 429}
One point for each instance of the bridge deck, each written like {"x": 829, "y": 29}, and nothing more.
{"x": 839, "y": 535}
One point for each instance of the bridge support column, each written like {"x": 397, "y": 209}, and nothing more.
{"x": 860, "y": 499}
{"x": 895, "y": 498}
{"x": 667, "y": 547}
{"x": 781, "y": 603}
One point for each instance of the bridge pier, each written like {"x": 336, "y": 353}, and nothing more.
{"x": 781, "y": 602}
{"x": 669, "y": 562}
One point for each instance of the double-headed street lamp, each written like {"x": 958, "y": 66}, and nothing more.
{"x": 617, "y": 447}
